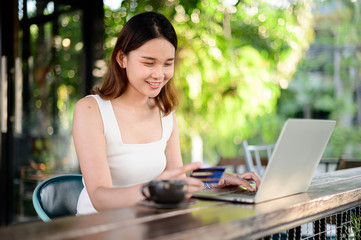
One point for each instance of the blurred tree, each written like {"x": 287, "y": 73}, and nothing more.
{"x": 327, "y": 83}
{"x": 55, "y": 85}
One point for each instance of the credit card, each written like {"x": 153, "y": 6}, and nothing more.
{"x": 208, "y": 175}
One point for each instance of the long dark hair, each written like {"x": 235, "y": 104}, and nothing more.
{"x": 137, "y": 31}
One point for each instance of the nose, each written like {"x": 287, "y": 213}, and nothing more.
{"x": 158, "y": 73}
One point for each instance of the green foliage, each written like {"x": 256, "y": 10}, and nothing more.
{"x": 55, "y": 86}
{"x": 356, "y": 225}
{"x": 231, "y": 63}
{"x": 327, "y": 82}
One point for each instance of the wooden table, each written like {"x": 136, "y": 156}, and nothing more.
{"x": 328, "y": 193}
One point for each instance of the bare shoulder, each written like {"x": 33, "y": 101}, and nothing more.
{"x": 86, "y": 105}
{"x": 87, "y": 115}
{"x": 87, "y": 102}
{"x": 87, "y": 110}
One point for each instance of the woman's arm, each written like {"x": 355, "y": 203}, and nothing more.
{"x": 89, "y": 141}
{"x": 174, "y": 162}
{"x": 172, "y": 151}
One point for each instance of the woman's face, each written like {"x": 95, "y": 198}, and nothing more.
{"x": 149, "y": 67}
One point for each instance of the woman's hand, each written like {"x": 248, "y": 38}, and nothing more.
{"x": 239, "y": 179}
{"x": 194, "y": 185}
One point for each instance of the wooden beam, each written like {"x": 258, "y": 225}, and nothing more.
{"x": 93, "y": 38}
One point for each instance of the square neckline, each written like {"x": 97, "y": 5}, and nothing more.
{"x": 135, "y": 144}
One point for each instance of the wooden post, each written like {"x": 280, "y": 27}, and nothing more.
{"x": 93, "y": 38}
{"x": 8, "y": 17}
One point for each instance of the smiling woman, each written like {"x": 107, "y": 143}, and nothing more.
{"x": 126, "y": 134}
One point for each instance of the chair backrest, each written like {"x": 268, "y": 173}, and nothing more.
{"x": 57, "y": 196}
{"x": 348, "y": 163}
{"x": 255, "y": 151}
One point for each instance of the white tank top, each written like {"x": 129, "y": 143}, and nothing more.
{"x": 130, "y": 164}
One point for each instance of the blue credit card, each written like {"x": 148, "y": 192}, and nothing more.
{"x": 208, "y": 175}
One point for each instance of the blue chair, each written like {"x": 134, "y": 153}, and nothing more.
{"x": 57, "y": 196}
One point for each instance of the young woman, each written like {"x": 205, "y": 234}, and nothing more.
{"x": 126, "y": 134}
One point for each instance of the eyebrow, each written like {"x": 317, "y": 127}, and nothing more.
{"x": 150, "y": 58}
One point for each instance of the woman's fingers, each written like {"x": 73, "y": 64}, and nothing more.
{"x": 251, "y": 176}
{"x": 187, "y": 168}
{"x": 240, "y": 179}
{"x": 194, "y": 185}
{"x": 234, "y": 179}
{"x": 181, "y": 171}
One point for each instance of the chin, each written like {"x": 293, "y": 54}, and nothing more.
{"x": 154, "y": 94}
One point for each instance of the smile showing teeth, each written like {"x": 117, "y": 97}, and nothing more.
{"x": 154, "y": 85}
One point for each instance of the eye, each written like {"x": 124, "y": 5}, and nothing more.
{"x": 168, "y": 64}
{"x": 149, "y": 63}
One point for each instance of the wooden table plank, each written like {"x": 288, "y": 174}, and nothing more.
{"x": 335, "y": 176}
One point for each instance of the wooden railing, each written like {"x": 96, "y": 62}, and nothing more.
{"x": 337, "y": 163}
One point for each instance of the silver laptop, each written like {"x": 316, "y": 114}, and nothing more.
{"x": 292, "y": 165}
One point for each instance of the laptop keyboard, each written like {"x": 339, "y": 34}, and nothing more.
{"x": 243, "y": 192}
{"x": 230, "y": 190}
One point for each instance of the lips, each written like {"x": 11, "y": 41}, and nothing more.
{"x": 154, "y": 85}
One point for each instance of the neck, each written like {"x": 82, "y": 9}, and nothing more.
{"x": 135, "y": 101}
